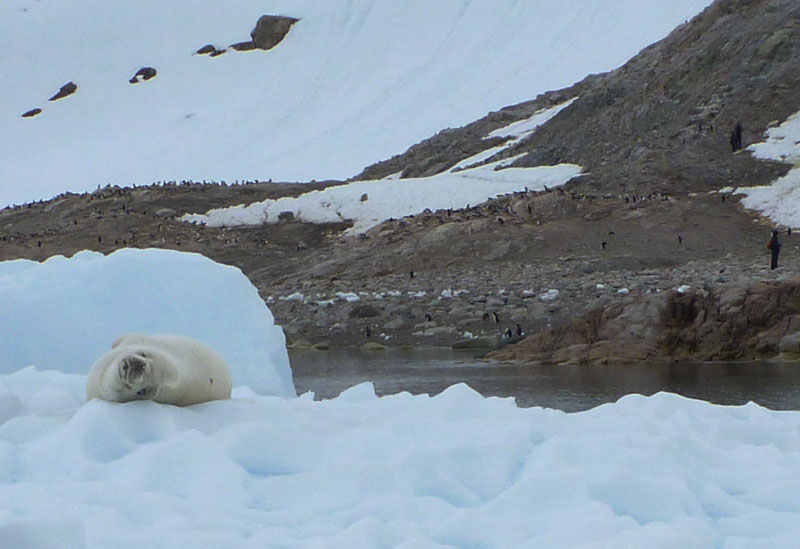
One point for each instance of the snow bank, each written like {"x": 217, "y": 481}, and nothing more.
{"x": 455, "y": 470}
{"x": 392, "y": 198}
{"x": 781, "y": 200}
{"x": 351, "y": 84}
{"x": 63, "y": 314}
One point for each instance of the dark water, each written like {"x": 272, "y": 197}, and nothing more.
{"x": 774, "y": 385}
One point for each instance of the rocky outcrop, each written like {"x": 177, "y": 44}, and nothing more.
{"x": 740, "y": 320}
{"x": 269, "y": 31}
{"x": 145, "y": 73}
{"x": 66, "y": 90}
{"x": 31, "y": 113}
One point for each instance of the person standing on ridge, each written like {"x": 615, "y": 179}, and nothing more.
{"x": 775, "y": 246}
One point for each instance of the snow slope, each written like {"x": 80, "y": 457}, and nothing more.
{"x": 406, "y": 471}
{"x": 355, "y": 81}
{"x": 368, "y": 203}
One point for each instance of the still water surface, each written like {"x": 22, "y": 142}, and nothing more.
{"x": 775, "y": 385}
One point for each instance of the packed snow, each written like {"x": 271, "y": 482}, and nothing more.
{"x": 779, "y": 201}
{"x": 270, "y": 469}
{"x": 351, "y": 84}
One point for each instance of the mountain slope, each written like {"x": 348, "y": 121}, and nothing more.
{"x": 353, "y": 82}
{"x": 662, "y": 121}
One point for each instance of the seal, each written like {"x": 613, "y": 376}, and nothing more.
{"x": 169, "y": 369}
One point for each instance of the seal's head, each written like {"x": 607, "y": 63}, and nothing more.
{"x": 135, "y": 376}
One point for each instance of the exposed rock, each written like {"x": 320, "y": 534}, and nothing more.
{"x": 145, "y": 73}
{"x": 31, "y": 113}
{"x": 244, "y": 46}
{"x": 286, "y": 216}
{"x": 395, "y": 324}
{"x": 270, "y": 30}
{"x": 207, "y": 49}
{"x": 734, "y": 321}
{"x": 67, "y": 89}
{"x": 217, "y": 53}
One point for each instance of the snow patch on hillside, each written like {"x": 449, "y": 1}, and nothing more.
{"x": 779, "y": 201}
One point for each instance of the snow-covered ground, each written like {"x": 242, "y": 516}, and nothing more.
{"x": 368, "y": 203}
{"x": 269, "y": 469}
{"x": 354, "y": 82}
{"x": 779, "y": 201}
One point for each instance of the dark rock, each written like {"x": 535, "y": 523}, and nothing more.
{"x": 67, "y": 89}
{"x": 217, "y": 53}
{"x": 145, "y": 73}
{"x": 31, "y": 113}
{"x": 244, "y": 46}
{"x": 286, "y": 216}
{"x": 207, "y": 49}
{"x": 270, "y": 30}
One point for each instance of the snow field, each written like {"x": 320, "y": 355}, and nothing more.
{"x": 354, "y": 82}
{"x": 394, "y": 198}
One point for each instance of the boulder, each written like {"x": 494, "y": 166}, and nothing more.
{"x": 270, "y": 30}
{"x": 67, "y": 89}
{"x": 31, "y": 113}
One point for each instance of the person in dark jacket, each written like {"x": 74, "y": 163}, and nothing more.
{"x": 736, "y": 137}
{"x": 775, "y": 246}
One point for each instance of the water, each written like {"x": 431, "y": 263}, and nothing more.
{"x": 774, "y": 385}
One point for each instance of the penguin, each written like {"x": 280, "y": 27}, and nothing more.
{"x": 428, "y": 317}
{"x": 411, "y": 274}
{"x": 519, "y": 330}
{"x": 368, "y": 332}
{"x": 507, "y": 334}
{"x": 680, "y": 239}
{"x": 603, "y": 245}
{"x": 495, "y": 317}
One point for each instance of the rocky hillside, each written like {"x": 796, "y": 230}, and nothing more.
{"x": 661, "y": 122}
